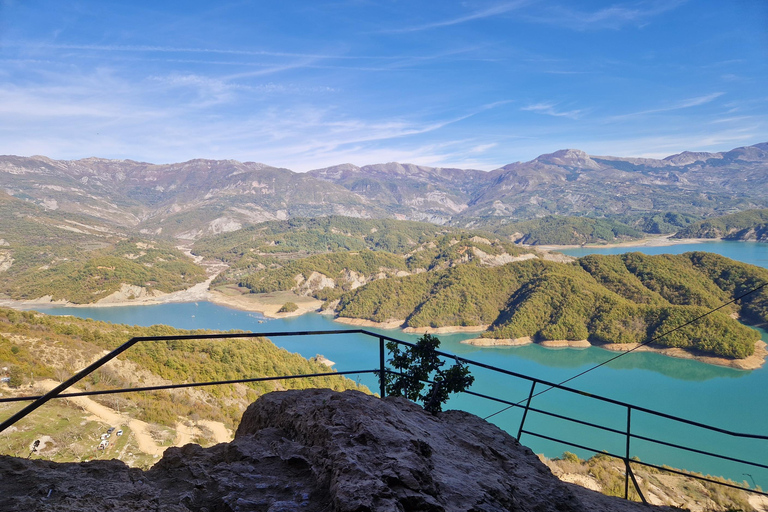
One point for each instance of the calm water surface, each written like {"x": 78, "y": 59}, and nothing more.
{"x": 727, "y": 398}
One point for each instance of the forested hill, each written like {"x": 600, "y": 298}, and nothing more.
{"x": 81, "y": 260}
{"x": 35, "y": 346}
{"x": 560, "y": 230}
{"x": 303, "y": 236}
{"x": 273, "y": 255}
{"x": 748, "y": 225}
{"x": 626, "y": 298}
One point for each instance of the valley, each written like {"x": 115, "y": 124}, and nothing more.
{"x": 355, "y": 249}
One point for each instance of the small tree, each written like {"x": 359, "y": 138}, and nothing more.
{"x": 288, "y": 307}
{"x": 420, "y": 363}
{"x": 18, "y": 378}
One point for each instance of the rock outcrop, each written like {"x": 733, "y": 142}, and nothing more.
{"x": 317, "y": 450}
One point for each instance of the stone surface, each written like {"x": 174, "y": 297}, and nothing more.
{"x": 317, "y": 450}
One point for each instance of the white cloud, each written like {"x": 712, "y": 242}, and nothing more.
{"x": 494, "y": 10}
{"x": 549, "y": 109}
{"x": 687, "y": 103}
{"x": 172, "y": 49}
{"x": 669, "y": 144}
{"x": 177, "y": 117}
{"x": 613, "y": 17}
{"x": 482, "y": 148}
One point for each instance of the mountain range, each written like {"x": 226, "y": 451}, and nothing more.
{"x": 200, "y": 197}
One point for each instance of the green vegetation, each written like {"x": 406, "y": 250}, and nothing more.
{"x": 457, "y": 279}
{"x": 571, "y": 230}
{"x": 673, "y": 489}
{"x": 288, "y": 307}
{"x": 257, "y": 254}
{"x": 327, "y": 276}
{"x": 319, "y": 235}
{"x": 84, "y": 277}
{"x": 40, "y": 346}
{"x": 659, "y": 223}
{"x": 337, "y": 266}
{"x": 79, "y": 260}
{"x": 555, "y": 230}
{"x": 418, "y": 364}
{"x": 628, "y": 298}
{"x": 750, "y": 224}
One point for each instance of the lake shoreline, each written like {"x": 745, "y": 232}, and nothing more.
{"x": 753, "y": 362}
{"x": 129, "y": 295}
{"x": 652, "y": 241}
{"x": 269, "y": 309}
{"x": 269, "y": 304}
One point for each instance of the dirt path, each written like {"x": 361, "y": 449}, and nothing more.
{"x": 220, "y": 433}
{"x": 759, "y": 503}
{"x": 110, "y": 416}
{"x": 184, "y": 434}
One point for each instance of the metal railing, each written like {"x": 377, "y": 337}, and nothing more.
{"x": 382, "y": 371}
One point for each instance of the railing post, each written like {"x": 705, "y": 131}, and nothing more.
{"x": 628, "y": 473}
{"x": 525, "y": 412}
{"x": 382, "y": 370}
{"x": 626, "y": 454}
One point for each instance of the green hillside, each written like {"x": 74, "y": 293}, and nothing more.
{"x": 34, "y": 346}
{"x": 556, "y": 230}
{"x": 606, "y": 299}
{"x": 275, "y": 256}
{"x": 82, "y": 276}
{"x": 317, "y": 235}
{"x": 565, "y": 230}
{"x": 746, "y": 225}
{"x": 79, "y": 259}
{"x": 342, "y": 271}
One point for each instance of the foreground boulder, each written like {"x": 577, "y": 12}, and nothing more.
{"x": 317, "y": 450}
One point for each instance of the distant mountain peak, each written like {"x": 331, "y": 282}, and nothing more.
{"x": 334, "y": 172}
{"x": 569, "y": 158}
{"x": 689, "y": 157}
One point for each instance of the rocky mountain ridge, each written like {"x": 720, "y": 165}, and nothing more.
{"x": 191, "y": 199}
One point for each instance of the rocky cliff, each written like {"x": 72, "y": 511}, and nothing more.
{"x": 317, "y": 450}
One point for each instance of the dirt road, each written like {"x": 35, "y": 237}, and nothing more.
{"x": 140, "y": 429}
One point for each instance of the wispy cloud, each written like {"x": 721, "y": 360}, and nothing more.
{"x": 114, "y": 116}
{"x": 551, "y": 110}
{"x": 683, "y": 104}
{"x": 673, "y": 143}
{"x": 733, "y": 119}
{"x": 150, "y": 49}
{"x": 494, "y": 10}
{"x": 173, "y": 49}
{"x": 482, "y": 148}
{"x": 613, "y": 17}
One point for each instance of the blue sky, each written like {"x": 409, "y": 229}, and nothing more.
{"x": 308, "y": 84}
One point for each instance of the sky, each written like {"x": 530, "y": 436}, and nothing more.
{"x": 309, "y": 84}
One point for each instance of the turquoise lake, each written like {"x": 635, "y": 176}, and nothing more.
{"x": 722, "y": 397}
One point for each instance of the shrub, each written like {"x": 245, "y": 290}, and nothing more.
{"x": 288, "y": 307}
{"x": 419, "y": 364}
